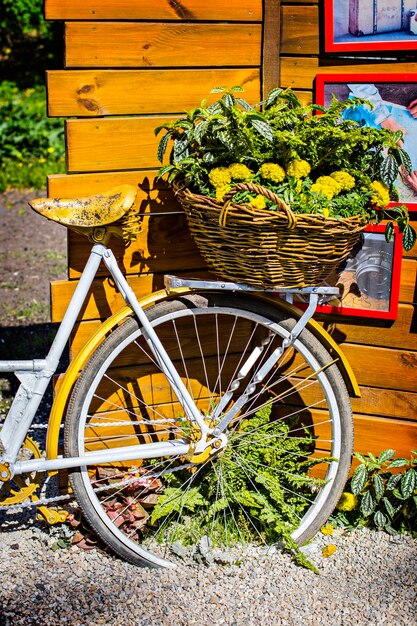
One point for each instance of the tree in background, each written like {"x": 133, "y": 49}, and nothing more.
{"x": 29, "y": 44}
{"x": 31, "y": 144}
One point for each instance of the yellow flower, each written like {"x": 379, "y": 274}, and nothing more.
{"x": 327, "y": 186}
{"x": 272, "y": 171}
{"x": 328, "y": 529}
{"x": 345, "y": 180}
{"x": 220, "y": 176}
{"x": 328, "y": 550}
{"x": 221, "y": 191}
{"x": 347, "y": 502}
{"x": 298, "y": 169}
{"x": 326, "y": 211}
{"x": 380, "y": 194}
{"x": 51, "y": 150}
{"x": 42, "y": 160}
{"x": 258, "y": 202}
{"x": 238, "y": 171}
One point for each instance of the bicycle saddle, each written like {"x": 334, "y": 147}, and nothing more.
{"x": 89, "y": 211}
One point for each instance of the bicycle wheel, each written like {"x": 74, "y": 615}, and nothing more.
{"x": 289, "y": 446}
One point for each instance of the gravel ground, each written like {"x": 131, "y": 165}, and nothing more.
{"x": 370, "y": 580}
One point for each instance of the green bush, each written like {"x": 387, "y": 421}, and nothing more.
{"x": 23, "y": 17}
{"x": 31, "y": 144}
{"x": 377, "y": 498}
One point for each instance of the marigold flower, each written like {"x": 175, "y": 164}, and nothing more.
{"x": 345, "y": 180}
{"x": 380, "y": 194}
{"x": 258, "y": 202}
{"x": 328, "y": 550}
{"x": 220, "y": 177}
{"x": 326, "y": 211}
{"x": 298, "y": 168}
{"x": 327, "y": 186}
{"x": 221, "y": 191}
{"x": 272, "y": 171}
{"x": 328, "y": 529}
{"x": 51, "y": 150}
{"x": 347, "y": 502}
{"x": 238, "y": 171}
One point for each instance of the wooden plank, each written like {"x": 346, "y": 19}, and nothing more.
{"x": 152, "y": 192}
{"x": 112, "y": 143}
{"x": 164, "y": 245}
{"x": 385, "y": 368}
{"x": 103, "y": 299}
{"x": 386, "y": 403}
{"x": 86, "y": 93}
{"x": 384, "y": 333}
{"x": 377, "y": 402}
{"x": 300, "y": 72}
{"x": 270, "y": 46}
{"x": 408, "y": 286}
{"x": 300, "y": 30}
{"x": 244, "y": 10}
{"x": 153, "y": 44}
{"x": 376, "y": 434}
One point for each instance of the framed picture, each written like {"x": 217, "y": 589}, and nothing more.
{"x": 394, "y": 100}
{"x": 369, "y": 280}
{"x": 366, "y": 25}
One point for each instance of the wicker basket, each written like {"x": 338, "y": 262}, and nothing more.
{"x": 267, "y": 248}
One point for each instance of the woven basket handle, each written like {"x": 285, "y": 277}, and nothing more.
{"x": 282, "y": 206}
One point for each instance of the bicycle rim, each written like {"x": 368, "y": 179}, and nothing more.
{"x": 288, "y": 451}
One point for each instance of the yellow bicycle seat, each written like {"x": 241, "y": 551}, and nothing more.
{"x": 90, "y": 211}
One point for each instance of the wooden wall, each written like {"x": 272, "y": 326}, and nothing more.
{"x": 128, "y": 66}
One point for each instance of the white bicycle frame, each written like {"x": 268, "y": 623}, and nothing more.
{"x": 35, "y": 375}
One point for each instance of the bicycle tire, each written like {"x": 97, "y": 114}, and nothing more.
{"x": 310, "y": 417}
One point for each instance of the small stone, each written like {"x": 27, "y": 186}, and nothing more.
{"x": 178, "y": 549}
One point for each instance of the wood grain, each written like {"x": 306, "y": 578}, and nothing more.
{"x": 270, "y": 46}
{"x": 300, "y": 30}
{"x": 112, "y": 143}
{"x": 87, "y": 93}
{"x": 150, "y": 190}
{"x": 244, "y": 10}
{"x": 164, "y": 245}
{"x": 154, "y": 44}
{"x": 399, "y": 334}
{"x": 299, "y": 72}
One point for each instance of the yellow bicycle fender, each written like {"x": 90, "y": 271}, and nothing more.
{"x": 77, "y": 364}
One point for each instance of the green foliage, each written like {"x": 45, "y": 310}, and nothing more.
{"x": 383, "y": 499}
{"x": 284, "y": 132}
{"x": 31, "y": 145}
{"x": 256, "y": 490}
{"x": 23, "y": 17}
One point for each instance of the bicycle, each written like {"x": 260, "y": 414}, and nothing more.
{"x": 212, "y": 409}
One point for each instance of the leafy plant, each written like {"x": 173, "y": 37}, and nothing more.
{"x": 31, "y": 144}
{"x": 252, "y": 492}
{"x": 310, "y": 156}
{"x": 380, "y": 498}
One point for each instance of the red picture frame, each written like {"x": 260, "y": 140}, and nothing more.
{"x": 370, "y": 25}
{"x": 369, "y": 280}
{"x": 390, "y": 94}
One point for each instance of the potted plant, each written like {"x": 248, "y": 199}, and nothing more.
{"x": 279, "y": 192}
